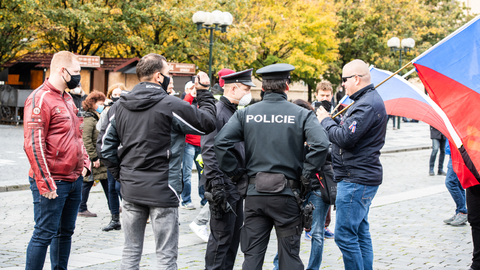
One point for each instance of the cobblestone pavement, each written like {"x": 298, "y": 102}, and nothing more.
{"x": 406, "y": 223}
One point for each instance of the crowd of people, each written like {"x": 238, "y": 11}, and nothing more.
{"x": 274, "y": 164}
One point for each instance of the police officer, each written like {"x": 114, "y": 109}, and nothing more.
{"x": 226, "y": 204}
{"x": 274, "y": 131}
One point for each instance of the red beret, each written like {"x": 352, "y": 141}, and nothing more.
{"x": 222, "y": 73}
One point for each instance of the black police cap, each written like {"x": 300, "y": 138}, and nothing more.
{"x": 276, "y": 71}
{"x": 244, "y": 77}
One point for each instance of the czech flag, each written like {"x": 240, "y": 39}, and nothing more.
{"x": 345, "y": 101}
{"x": 403, "y": 99}
{"x": 450, "y": 71}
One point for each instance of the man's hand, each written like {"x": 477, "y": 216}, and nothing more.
{"x": 96, "y": 164}
{"x": 219, "y": 195}
{"x": 84, "y": 172}
{"x": 50, "y": 195}
{"x": 322, "y": 113}
{"x": 202, "y": 78}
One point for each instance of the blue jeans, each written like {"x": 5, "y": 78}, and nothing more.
{"x": 437, "y": 145}
{"x": 191, "y": 153}
{"x": 455, "y": 189}
{"x": 352, "y": 233}
{"x": 318, "y": 230}
{"x": 113, "y": 194}
{"x": 54, "y": 224}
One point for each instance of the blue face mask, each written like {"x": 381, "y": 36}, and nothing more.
{"x": 100, "y": 109}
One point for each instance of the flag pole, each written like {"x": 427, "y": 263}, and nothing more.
{"x": 338, "y": 105}
{"x": 398, "y": 71}
{"x": 344, "y": 109}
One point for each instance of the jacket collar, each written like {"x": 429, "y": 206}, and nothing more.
{"x": 232, "y": 107}
{"x": 271, "y": 96}
{"x": 362, "y": 91}
{"x": 51, "y": 87}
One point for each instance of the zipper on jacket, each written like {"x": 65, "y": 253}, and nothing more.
{"x": 168, "y": 154}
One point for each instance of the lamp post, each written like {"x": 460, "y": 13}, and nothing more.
{"x": 216, "y": 20}
{"x": 401, "y": 46}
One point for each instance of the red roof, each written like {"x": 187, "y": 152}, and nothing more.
{"x": 44, "y": 59}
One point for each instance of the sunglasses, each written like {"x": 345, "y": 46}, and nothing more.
{"x": 344, "y": 79}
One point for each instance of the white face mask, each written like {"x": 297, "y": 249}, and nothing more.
{"x": 76, "y": 91}
{"x": 245, "y": 100}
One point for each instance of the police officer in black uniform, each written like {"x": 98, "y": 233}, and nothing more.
{"x": 274, "y": 131}
{"x": 226, "y": 204}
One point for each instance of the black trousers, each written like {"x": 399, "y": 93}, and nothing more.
{"x": 261, "y": 214}
{"x": 86, "y": 186}
{"x": 473, "y": 206}
{"x": 224, "y": 239}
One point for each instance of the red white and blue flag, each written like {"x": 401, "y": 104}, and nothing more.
{"x": 402, "y": 98}
{"x": 450, "y": 72}
{"x": 345, "y": 101}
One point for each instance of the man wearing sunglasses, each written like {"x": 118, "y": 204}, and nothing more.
{"x": 356, "y": 143}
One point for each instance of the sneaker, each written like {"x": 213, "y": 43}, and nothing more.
{"x": 431, "y": 173}
{"x": 448, "y": 221}
{"x": 460, "y": 219}
{"x": 188, "y": 206}
{"x": 442, "y": 173}
{"x": 86, "y": 213}
{"x": 329, "y": 234}
{"x": 308, "y": 236}
{"x": 200, "y": 230}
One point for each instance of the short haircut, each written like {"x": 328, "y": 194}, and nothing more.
{"x": 302, "y": 103}
{"x": 149, "y": 65}
{"x": 324, "y": 86}
{"x": 62, "y": 58}
{"x": 113, "y": 87}
{"x": 276, "y": 86}
{"x": 92, "y": 98}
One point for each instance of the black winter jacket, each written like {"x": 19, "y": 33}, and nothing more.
{"x": 274, "y": 131}
{"x": 357, "y": 140}
{"x": 211, "y": 170}
{"x": 143, "y": 141}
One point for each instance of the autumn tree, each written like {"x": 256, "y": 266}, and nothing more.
{"x": 300, "y": 33}
{"x": 17, "y": 24}
{"x": 365, "y": 27}
{"x": 88, "y": 27}
{"x": 170, "y": 31}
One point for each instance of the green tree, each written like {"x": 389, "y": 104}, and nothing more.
{"x": 17, "y": 22}
{"x": 170, "y": 31}
{"x": 300, "y": 33}
{"x": 365, "y": 26}
{"x": 89, "y": 27}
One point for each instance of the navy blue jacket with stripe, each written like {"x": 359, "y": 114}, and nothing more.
{"x": 357, "y": 140}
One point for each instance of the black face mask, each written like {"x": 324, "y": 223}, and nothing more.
{"x": 327, "y": 105}
{"x": 74, "y": 80}
{"x": 165, "y": 83}
{"x": 114, "y": 99}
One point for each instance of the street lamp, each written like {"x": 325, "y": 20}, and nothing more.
{"x": 402, "y": 46}
{"x": 216, "y": 20}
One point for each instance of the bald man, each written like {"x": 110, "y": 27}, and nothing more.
{"x": 356, "y": 143}
{"x": 58, "y": 162}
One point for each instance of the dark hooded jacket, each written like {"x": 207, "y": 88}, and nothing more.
{"x": 142, "y": 142}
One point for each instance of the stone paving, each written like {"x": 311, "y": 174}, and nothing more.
{"x": 406, "y": 222}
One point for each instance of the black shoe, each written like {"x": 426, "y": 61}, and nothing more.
{"x": 114, "y": 224}
{"x": 442, "y": 173}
